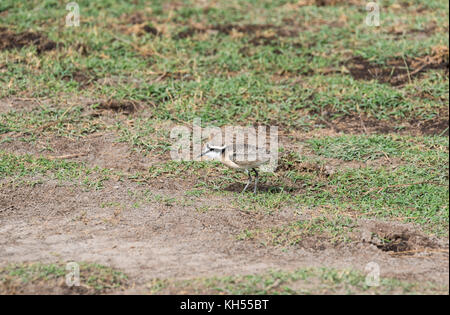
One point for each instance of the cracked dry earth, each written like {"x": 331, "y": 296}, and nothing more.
{"x": 117, "y": 227}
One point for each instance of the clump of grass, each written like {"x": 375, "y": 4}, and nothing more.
{"x": 41, "y": 121}
{"x": 300, "y": 281}
{"x": 356, "y": 147}
{"x": 17, "y": 167}
{"x": 94, "y": 278}
{"x": 406, "y": 193}
{"x": 331, "y": 230}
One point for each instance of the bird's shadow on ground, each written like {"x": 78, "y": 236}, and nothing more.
{"x": 238, "y": 187}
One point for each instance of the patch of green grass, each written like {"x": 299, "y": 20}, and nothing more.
{"x": 356, "y": 147}
{"x": 178, "y": 169}
{"x": 145, "y": 135}
{"x": 406, "y": 193}
{"x": 300, "y": 281}
{"x": 102, "y": 278}
{"x": 33, "y": 272}
{"x": 195, "y": 192}
{"x": 414, "y": 191}
{"x": 257, "y": 76}
{"x": 332, "y": 230}
{"x": 164, "y": 200}
{"x": 17, "y": 167}
{"x": 266, "y": 202}
{"x": 414, "y": 150}
{"x": 68, "y": 122}
{"x": 94, "y": 277}
{"x": 25, "y": 165}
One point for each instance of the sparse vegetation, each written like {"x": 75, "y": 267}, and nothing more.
{"x": 94, "y": 279}
{"x": 301, "y": 281}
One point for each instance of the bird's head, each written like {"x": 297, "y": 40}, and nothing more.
{"x": 213, "y": 152}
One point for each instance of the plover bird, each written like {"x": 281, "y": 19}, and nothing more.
{"x": 239, "y": 156}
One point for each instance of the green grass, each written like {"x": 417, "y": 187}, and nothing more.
{"x": 224, "y": 79}
{"x": 334, "y": 230}
{"x": 95, "y": 277}
{"x": 433, "y": 150}
{"x": 406, "y": 193}
{"x": 416, "y": 190}
{"x": 43, "y": 121}
{"x": 263, "y": 202}
{"x": 300, "y": 281}
{"x": 356, "y": 147}
{"x": 145, "y": 135}
{"x": 177, "y": 168}
{"x": 22, "y": 168}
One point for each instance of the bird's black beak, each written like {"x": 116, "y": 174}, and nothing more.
{"x": 207, "y": 150}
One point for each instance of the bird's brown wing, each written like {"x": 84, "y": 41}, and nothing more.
{"x": 249, "y": 160}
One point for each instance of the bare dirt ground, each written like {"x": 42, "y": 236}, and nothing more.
{"x": 47, "y": 223}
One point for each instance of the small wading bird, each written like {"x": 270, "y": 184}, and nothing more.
{"x": 239, "y": 156}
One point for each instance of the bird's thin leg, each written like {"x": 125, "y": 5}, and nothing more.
{"x": 256, "y": 181}
{"x": 249, "y": 181}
